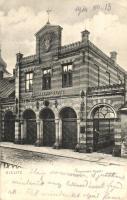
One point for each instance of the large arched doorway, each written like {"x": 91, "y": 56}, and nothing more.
{"x": 48, "y": 118}
{"x": 30, "y": 126}
{"x": 9, "y": 127}
{"x": 103, "y": 129}
{"x": 69, "y": 128}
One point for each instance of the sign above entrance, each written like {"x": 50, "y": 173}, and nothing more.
{"x": 51, "y": 93}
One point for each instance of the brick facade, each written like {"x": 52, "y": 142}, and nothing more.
{"x": 93, "y": 93}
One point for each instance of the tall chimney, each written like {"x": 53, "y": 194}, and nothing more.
{"x": 19, "y": 56}
{"x": 113, "y": 55}
{"x": 85, "y": 35}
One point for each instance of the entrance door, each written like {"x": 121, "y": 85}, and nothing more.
{"x": 48, "y": 132}
{"x": 103, "y": 129}
{"x": 69, "y": 128}
{"x": 48, "y": 118}
{"x": 9, "y": 127}
{"x": 31, "y": 131}
{"x": 69, "y": 132}
{"x": 31, "y": 126}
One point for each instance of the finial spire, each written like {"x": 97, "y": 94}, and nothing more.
{"x": 48, "y": 12}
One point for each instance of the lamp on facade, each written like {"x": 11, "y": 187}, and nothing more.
{"x": 56, "y": 103}
{"x": 37, "y": 105}
{"x": 82, "y": 94}
{"x": 46, "y": 103}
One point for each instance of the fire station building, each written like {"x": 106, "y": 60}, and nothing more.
{"x": 71, "y": 96}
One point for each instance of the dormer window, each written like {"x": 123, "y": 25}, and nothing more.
{"x": 67, "y": 75}
{"x": 46, "y": 79}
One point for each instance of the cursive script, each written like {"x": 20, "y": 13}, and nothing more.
{"x": 83, "y": 183}
{"x": 106, "y": 7}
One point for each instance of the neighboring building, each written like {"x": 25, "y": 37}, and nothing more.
{"x": 3, "y": 71}
{"x": 69, "y": 96}
{"x": 7, "y": 103}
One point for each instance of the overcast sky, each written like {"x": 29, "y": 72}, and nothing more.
{"x": 21, "y": 19}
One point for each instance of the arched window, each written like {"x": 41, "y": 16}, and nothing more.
{"x": 103, "y": 118}
{"x": 104, "y": 112}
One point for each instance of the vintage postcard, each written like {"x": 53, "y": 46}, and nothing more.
{"x": 63, "y": 100}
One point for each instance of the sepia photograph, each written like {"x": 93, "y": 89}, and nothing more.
{"x": 63, "y": 100}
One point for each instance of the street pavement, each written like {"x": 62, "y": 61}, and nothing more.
{"x": 25, "y": 155}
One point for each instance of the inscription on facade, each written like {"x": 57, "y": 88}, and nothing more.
{"x": 52, "y": 93}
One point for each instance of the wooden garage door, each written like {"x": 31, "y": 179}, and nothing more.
{"x": 31, "y": 131}
{"x": 69, "y": 133}
{"x": 9, "y": 130}
{"x": 48, "y": 132}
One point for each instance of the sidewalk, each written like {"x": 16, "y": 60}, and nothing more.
{"x": 100, "y": 158}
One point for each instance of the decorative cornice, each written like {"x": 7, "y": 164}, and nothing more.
{"x": 106, "y": 90}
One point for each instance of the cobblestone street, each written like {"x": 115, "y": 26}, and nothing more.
{"x": 27, "y": 158}
{"x": 25, "y": 155}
